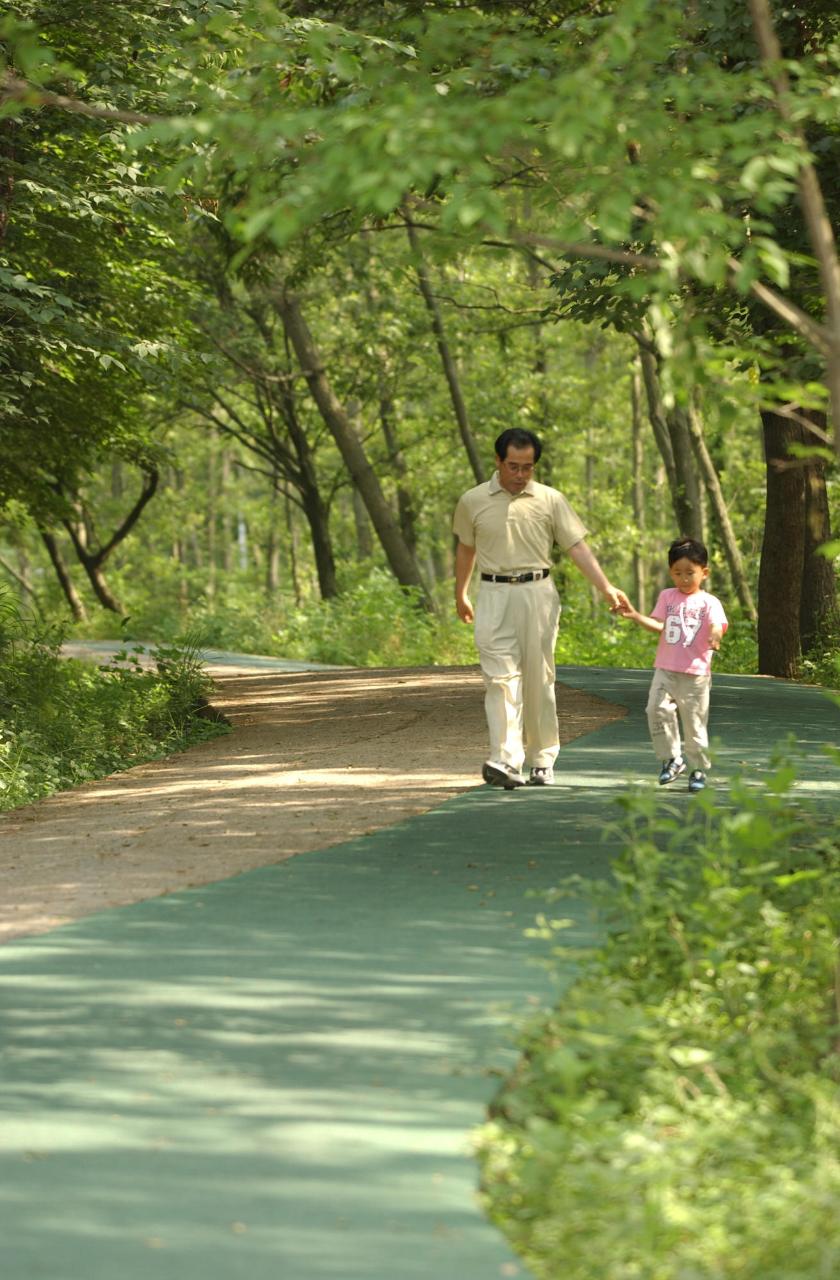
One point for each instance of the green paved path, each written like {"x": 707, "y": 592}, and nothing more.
{"x": 274, "y": 1077}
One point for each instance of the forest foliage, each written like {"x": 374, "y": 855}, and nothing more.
{"x": 274, "y": 277}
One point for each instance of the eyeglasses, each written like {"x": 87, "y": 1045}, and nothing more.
{"x": 519, "y": 468}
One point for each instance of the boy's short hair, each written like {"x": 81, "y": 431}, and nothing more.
{"x": 688, "y": 549}
{"x": 520, "y": 439}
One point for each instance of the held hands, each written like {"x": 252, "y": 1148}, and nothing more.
{"x": 626, "y": 609}
{"x": 619, "y": 602}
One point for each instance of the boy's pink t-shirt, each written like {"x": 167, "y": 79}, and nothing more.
{"x": 684, "y": 642}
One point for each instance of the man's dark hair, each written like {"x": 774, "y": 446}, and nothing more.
{"x": 688, "y": 549}
{"x": 520, "y": 439}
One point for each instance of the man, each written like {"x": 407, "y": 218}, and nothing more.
{"x": 507, "y": 527}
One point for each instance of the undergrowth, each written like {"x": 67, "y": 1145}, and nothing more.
{"x": 678, "y": 1115}
{"x": 63, "y": 722}
{"x": 375, "y": 622}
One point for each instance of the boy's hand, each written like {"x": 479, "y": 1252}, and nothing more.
{"x": 715, "y": 637}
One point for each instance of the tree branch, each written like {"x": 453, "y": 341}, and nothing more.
{"x": 579, "y": 249}
{"x": 23, "y": 582}
{"x": 811, "y": 330}
{"x": 150, "y": 484}
{"x": 13, "y": 89}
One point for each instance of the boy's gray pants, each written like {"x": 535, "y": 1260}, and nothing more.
{"x": 674, "y": 697}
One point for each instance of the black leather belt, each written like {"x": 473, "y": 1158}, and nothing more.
{"x": 534, "y": 575}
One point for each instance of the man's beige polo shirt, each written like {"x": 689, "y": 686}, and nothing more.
{"x": 515, "y": 533}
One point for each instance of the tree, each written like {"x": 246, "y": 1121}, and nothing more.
{"x": 248, "y": 393}
{"x": 402, "y": 562}
{"x": 627, "y": 138}
{"x": 79, "y": 526}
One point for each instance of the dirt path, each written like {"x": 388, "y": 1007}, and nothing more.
{"x": 314, "y": 759}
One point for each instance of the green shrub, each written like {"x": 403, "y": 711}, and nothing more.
{"x": 677, "y": 1116}
{"x": 62, "y": 722}
{"x": 375, "y": 623}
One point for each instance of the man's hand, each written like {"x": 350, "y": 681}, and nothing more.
{"x": 465, "y": 609}
{"x": 584, "y": 558}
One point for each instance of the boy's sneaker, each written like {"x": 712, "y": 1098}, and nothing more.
{"x": 671, "y": 769}
{"x": 499, "y": 774}
{"x": 696, "y": 780}
{"x": 541, "y": 776}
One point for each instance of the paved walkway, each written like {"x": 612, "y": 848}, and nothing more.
{"x": 216, "y": 661}
{"x": 275, "y": 1077}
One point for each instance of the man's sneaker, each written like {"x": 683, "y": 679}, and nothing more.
{"x": 671, "y": 769}
{"x": 541, "y": 776}
{"x": 499, "y": 774}
{"x": 696, "y": 780}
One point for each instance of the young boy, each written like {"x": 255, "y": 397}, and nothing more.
{"x": 690, "y": 624}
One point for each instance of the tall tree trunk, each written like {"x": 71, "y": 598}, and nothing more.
{"x": 317, "y": 517}
{"x": 782, "y": 552}
{"x": 638, "y": 473}
{"x": 361, "y": 523}
{"x": 400, "y": 558}
{"x": 656, "y": 410}
{"x": 71, "y": 595}
{"x": 688, "y": 505}
{"x": 180, "y": 550}
{"x": 713, "y": 487}
{"x": 539, "y": 365}
{"x": 272, "y": 545}
{"x": 658, "y": 564}
{"x": 305, "y": 480}
{"x": 589, "y": 487}
{"x": 179, "y": 546}
{"x": 387, "y": 415}
{"x": 227, "y": 522}
{"x": 405, "y": 502}
{"x": 673, "y": 440}
{"x": 450, "y": 368}
{"x": 8, "y": 132}
{"x": 364, "y": 538}
{"x": 242, "y": 544}
{"x": 211, "y": 516}
{"x": 293, "y": 563}
{"x": 819, "y": 620}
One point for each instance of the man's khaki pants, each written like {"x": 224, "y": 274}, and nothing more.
{"x": 673, "y": 692}
{"x": 515, "y": 634}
